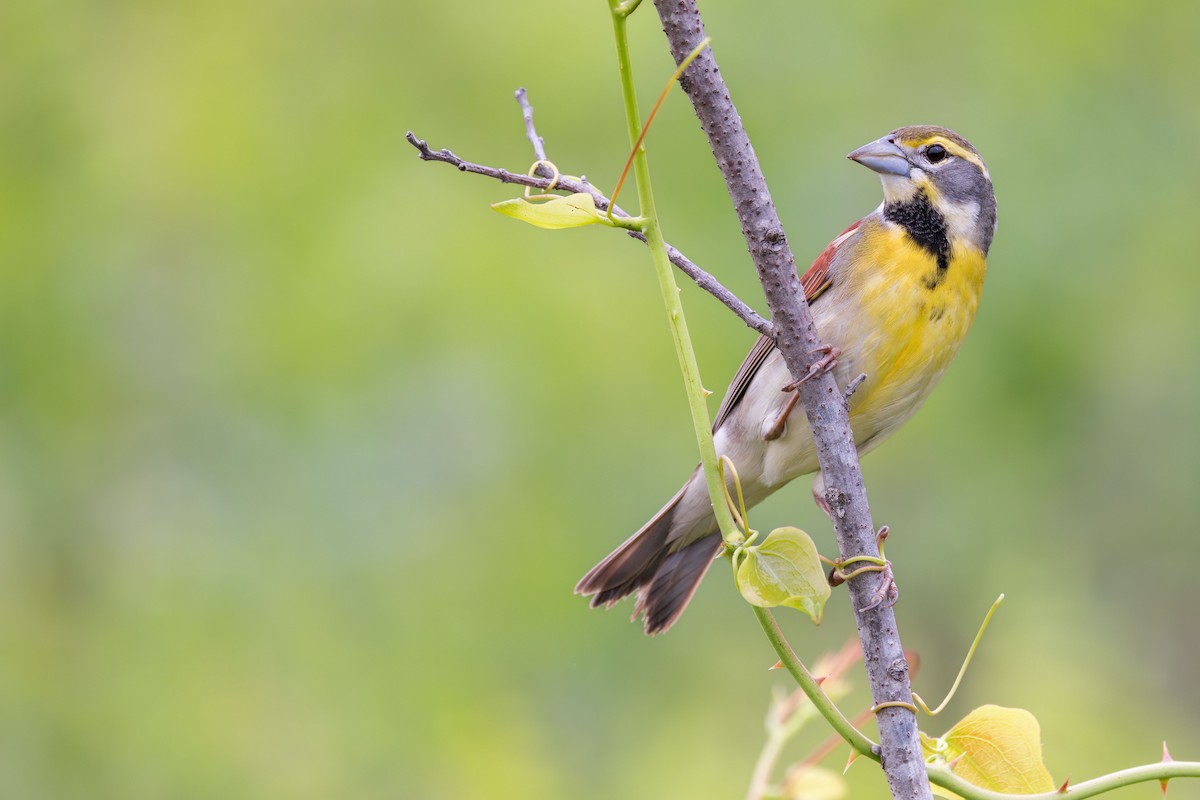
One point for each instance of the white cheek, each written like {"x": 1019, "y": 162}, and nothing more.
{"x": 961, "y": 219}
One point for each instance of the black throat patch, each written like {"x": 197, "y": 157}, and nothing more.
{"x": 926, "y": 227}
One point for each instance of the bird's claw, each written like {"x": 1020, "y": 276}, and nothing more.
{"x": 822, "y": 365}
{"x": 819, "y": 367}
{"x": 887, "y": 593}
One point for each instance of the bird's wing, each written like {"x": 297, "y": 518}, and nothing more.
{"x": 815, "y": 281}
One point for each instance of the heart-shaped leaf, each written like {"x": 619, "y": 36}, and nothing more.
{"x": 996, "y": 748}
{"x": 784, "y": 571}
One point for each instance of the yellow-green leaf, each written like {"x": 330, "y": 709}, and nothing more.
{"x": 784, "y": 571}
{"x": 814, "y": 783}
{"x": 997, "y": 748}
{"x": 570, "y": 211}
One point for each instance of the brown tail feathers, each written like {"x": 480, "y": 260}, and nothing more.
{"x": 664, "y": 575}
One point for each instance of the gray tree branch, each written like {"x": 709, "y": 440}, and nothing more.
{"x": 823, "y": 401}
{"x": 571, "y": 184}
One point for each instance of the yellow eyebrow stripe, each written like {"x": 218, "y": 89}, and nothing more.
{"x": 955, "y": 150}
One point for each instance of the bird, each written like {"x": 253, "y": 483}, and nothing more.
{"x": 893, "y": 297}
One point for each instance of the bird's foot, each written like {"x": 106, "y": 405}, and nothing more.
{"x": 887, "y": 592}
{"x": 822, "y": 365}
{"x": 826, "y": 362}
{"x": 780, "y": 425}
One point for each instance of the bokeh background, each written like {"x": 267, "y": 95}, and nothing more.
{"x": 302, "y": 448}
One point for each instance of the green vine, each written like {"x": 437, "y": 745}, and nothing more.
{"x": 696, "y": 394}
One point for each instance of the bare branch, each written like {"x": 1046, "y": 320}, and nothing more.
{"x": 685, "y": 265}
{"x": 539, "y": 144}
{"x": 852, "y": 387}
{"x": 462, "y": 165}
{"x": 571, "y": 184}
{"x": 823, "y": 402}
{"x": 711, "y": 285}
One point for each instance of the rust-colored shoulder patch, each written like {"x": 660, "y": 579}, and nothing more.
{"x": 816, "y": 279}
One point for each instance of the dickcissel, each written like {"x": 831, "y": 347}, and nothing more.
{"x": 894, "y": 295}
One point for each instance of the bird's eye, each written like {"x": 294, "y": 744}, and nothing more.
{"x": 935, "y": 153}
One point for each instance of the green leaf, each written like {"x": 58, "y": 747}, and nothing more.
{"x": 570, "y": 211}
{"x": 784, "y": 571}
{"x": 814, "y": 783}
{"x": 996, "y": 748}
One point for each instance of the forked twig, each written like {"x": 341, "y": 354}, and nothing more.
{"x": 543, "y": 180}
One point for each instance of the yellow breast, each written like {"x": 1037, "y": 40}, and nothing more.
{"x": 900, "y": 320}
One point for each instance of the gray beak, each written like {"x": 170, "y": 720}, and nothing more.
{"x": 882, "y": 156}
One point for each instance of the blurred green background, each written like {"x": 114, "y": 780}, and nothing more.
{"x": 302, "y": 448}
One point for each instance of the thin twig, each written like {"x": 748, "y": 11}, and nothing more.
{"x": 685, "y": 265}
{"x": 427, "y": 153}
{"x": 539, "y": 144}
{"x": 711, "y": 285}
{"x": 798, "y": 340}
{"x": 852, "y": 387}
{"x": 571, "y": 184}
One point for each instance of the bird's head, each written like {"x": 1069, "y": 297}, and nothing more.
{"x": 925, "y": 161}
